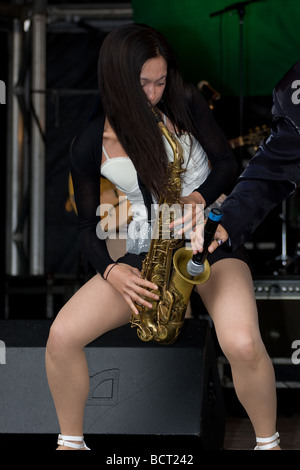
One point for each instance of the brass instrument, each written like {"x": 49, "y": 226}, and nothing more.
{"x": 166, "y": 265}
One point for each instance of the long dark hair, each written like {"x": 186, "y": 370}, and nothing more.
{"x": 122, "y": 56}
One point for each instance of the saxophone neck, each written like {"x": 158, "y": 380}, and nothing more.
{"x": 169, "y": 136}
{"x": 157, "y": 115}
{"x": 159, "y": 121}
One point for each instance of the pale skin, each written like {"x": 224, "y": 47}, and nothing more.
{"x": 102, "y": 305}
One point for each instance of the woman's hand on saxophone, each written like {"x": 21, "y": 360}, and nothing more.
{"x": 127, "y": 280}
{"x": 192, "y": 223}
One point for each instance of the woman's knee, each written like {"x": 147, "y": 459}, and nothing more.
{"x": 61, "y": 339}
{"x": 243, "y": 347}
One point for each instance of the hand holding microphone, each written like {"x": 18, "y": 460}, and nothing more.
{"x": 196, "y": 265}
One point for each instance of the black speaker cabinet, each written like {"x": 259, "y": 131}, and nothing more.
{"x": 136, "y": 388}
{"x": 278, "y": 302}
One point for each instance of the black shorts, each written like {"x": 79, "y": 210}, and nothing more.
{"x": 222, "y": 252}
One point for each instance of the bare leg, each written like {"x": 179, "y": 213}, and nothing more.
{"x": 95, "y": 309}
{"x": 229, "y": 299}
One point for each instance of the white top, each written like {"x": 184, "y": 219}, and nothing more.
{"x": 122, "y": 173}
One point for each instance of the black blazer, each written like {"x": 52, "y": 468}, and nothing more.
{"x": 274, "y": 171}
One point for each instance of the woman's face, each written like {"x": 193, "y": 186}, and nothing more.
{"x": 153, "y": 78}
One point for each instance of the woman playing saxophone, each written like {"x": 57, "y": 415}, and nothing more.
{"x": 137, "y": 70}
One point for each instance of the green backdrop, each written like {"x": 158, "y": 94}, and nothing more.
{"x": 208, "y": 48}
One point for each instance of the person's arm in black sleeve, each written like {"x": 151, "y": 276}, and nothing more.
{"x": 243, "y": 211}
{"x": 273, "y": 174}
{"x": 270, "y": 178}
{"x": 86, "y": 182}
{"x": 222, "y": 160}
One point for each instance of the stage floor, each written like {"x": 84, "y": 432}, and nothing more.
{"x": 239, "y": 433}
{"x": 239, "y": 436}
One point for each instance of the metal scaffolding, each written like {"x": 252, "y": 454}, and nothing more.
{"x": 26, "y": 126}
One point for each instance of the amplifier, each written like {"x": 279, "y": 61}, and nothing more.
{"x": 279, "y": 319}
{"x": 277, "y": 288}
{"x": 278, "y": 303}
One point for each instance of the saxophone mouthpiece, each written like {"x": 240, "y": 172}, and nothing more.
{"x": 157, "y": 115}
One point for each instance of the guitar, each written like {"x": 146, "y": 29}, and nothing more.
{"x": 109, "y": 195}
{"x": 253, "y": 139}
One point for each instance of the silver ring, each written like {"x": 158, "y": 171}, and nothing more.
{"x": 219, "y": 241}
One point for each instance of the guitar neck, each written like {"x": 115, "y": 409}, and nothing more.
{"x": 252, "y": 139}
{"x": 236, "y": 142}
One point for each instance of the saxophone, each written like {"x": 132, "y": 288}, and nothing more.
{"x": 165, "y": 264}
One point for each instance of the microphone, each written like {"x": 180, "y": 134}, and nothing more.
{"x": 195, "y": 265}
{"x": 235, "y": 6}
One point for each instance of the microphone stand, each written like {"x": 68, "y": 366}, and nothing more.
{"x": 240, "y": 7}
